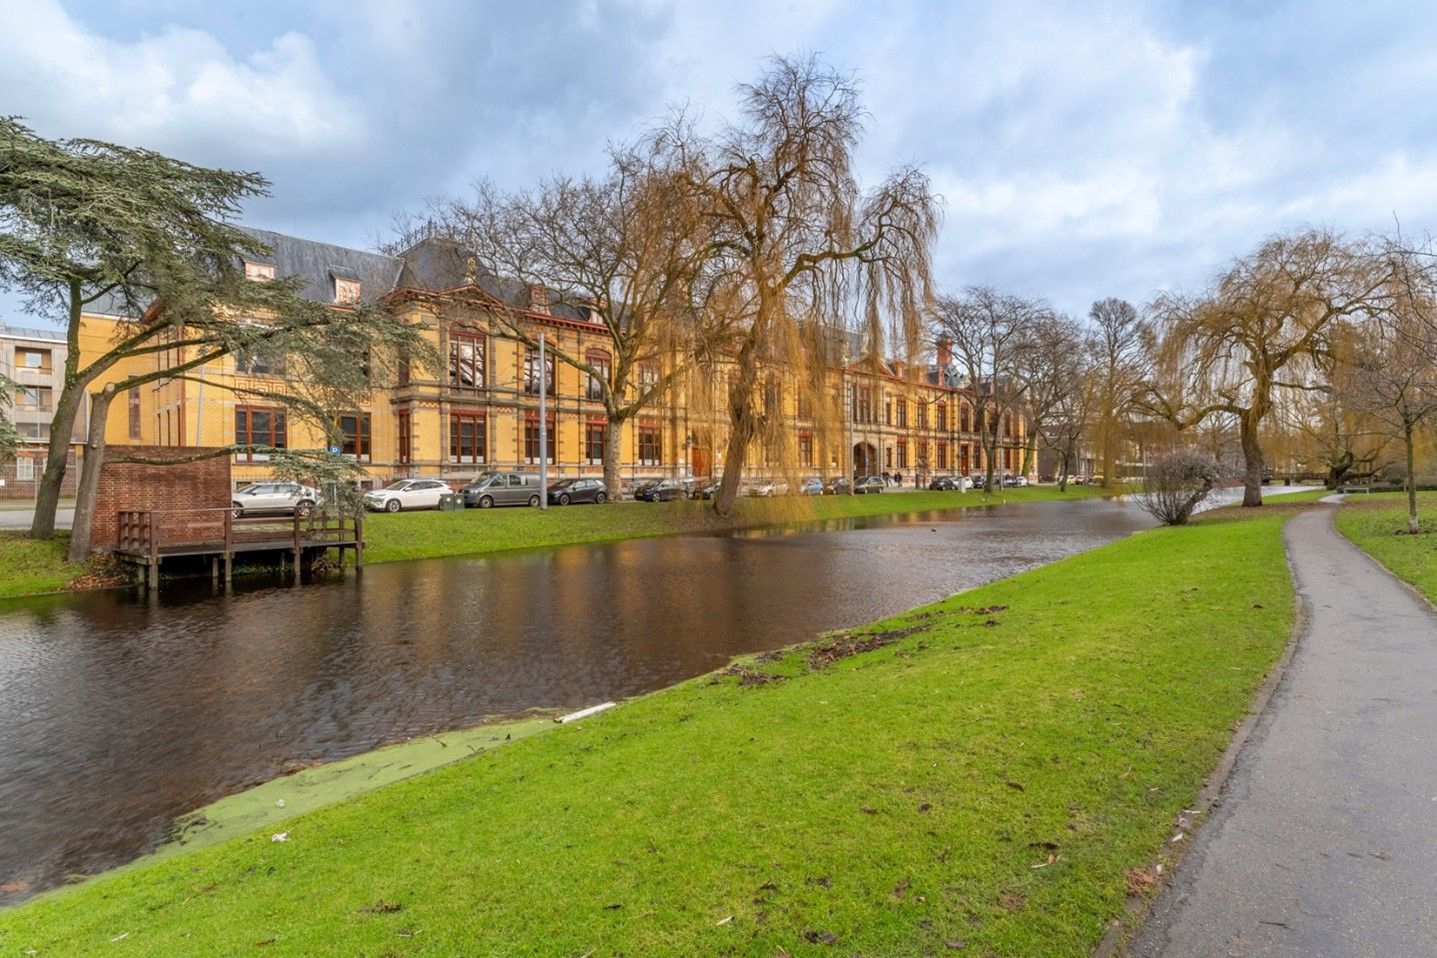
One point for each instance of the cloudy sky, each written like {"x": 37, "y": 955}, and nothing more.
{"x": 1082, "y": 150}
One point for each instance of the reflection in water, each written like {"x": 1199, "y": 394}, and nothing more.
{"x": 118, "y": 714}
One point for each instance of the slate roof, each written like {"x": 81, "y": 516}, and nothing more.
{"x": 321, "y": 263}
{"x": 437, "y": 264}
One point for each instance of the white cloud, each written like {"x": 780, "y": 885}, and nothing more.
{"x": 174, "y": 87}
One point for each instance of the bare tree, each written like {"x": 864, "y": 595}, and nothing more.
{"x": 1122, "y": 351}
{"x": 990, "y": 332}
{"x": 1262, "y": 326}
{"x": 1067, "y": 388}
{"x": 1052, "y": 365}
{"x": 623, "y": 249}
{"x": 1175, "y": 485}
{"x": 1394, "y": 370}
{"x": 796, "y": 245}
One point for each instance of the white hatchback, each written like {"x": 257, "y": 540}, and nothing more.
{"x": 273, "y": 498}
{"x": 407, "y": 494}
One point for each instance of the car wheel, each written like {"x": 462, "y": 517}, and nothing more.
{"x": 564, "y": 499}
{"x": 533, "y": 502}
{"x": 601, "y": 498}
{"x": 486, "y": 502}
{"x": 237, "y": 512}
{"x": 304, "y": 509}
{"x": 392, "y": 505}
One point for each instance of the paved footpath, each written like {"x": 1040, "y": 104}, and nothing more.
{"x": 1325, "y": 843}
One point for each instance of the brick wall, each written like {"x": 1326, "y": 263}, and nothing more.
{"x": 23, "y": 477}
{"x": 192, "y": 485}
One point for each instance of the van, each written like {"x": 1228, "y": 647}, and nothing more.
{"x": 489, "y": 489}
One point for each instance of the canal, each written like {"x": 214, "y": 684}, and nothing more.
{"x": 120, "y": 713}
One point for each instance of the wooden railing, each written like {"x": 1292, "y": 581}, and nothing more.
{"x": 152, "y": 532}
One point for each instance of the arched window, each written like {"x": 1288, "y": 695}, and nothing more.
{"x": 603, "y": 365}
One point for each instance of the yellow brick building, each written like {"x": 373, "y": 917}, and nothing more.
{"x": 480, "y": 409}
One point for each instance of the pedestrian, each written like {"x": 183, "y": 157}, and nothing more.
{"x": 898, "y": 478}
{"x": 886, "y": 477}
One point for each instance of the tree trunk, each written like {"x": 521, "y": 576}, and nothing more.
{"x": 1412, "y": 523}
{"x": 1110, "y": 452}
{"x": 1029, "y": 452}
{"x": 613, "y": 453}
{"x": 1252, "y": 462}
{"x": 89, "y": 484}
{"x": 743, "y": 419}
{"x": 47, "y": 496}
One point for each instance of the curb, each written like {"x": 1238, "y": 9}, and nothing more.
{"x": 1141, "y": 907}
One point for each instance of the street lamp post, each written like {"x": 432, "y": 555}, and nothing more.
{"x": 543, "y": 427}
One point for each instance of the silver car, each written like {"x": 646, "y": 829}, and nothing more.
{"x": 274, "y": 499}
{"x": 491, "y": 489}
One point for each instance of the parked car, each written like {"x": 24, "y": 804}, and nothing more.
{"x": 638, "y": 491}
{"x": 489, "y": 489}
{"x": 764, "y": 488}
{"x": 837, "y": 486}
{"x": 1014, "y": 482}
{"x": 407, "y": 494}
{"x": 706, "y": 488}
{"x": 949, "y": 483}
{"x": 665, "y": 490}
{"x": 867, "y": 484}
{"x": 274, "y": 498}
{"x": 567, "y": 491}
{"x": 812, "y": 486}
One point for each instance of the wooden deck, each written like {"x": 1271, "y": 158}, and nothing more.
{"x": 147, "y": 537}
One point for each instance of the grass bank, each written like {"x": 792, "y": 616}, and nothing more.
{"x": 33, "y": 566}
{"x": 429, "y": 535}
{"x": 980, "y": 775}
{"x": 1378, "y": 525}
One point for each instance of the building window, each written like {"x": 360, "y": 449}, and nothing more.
{"x": 466, "y": 436}
{"x": 24, "y": 469}
{"x": 258, "y": 271}
{"x": 649, "y": 445}
{"x": 346, "y": 290}
{"x": 1008, "y": 423}
{"x": 254, "y": 427}
{"x": 134, "y": 404}
{"x": 406, "y": 436}
{"x": 603, "y": 367}
{"x": 36, "y": 359}
{"x": 354, "y": 435}
{"x": 805, "y": 449}
{"x": 943, "y": 455}
{"x": 963, "y": 422}
{"x": 259, "y": 365}
{"x": 863, "y": 404}
{"x": 594, "y": 443}
{"x": 888, "y": 457}
{"x": 922, "y": 462}
{"x": 39, "y": 398}
{"x": 902, "y": 416}
{"x": 648, "y": 377}
{"x": 531, "y": 371}
{"x": 922, "y": 414}
{"x": 466, "y": 360}
{"x": 888, "y": 412}
{"x": 805, "y": 405}
{"x": 942, "y": 417}
{"x": 531, "y": 439}
{"x": 903, "y": 454}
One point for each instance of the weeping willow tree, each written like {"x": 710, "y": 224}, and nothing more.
{"x": 1264, "y": 325}
{"x": 799, "y": 253}
{"x": 622, "y": 249}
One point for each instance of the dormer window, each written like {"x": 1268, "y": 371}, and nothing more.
{"x": 346, "y": 290}
{"x": 258, "y": 271}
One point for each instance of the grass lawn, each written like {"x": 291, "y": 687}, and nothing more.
{"x": 977, "y": 778}
{"x": 1378, "y": 524}
{"x": 427, "y": 535}
{"x": 31, "y": 566}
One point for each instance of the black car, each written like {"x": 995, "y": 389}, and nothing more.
{"x": 837, "y": 486}
{"x": 944, "y": 484}
{"x": 567, "y": 491}
{"x": 705, "y": 489}
{"x": 868, "y": 484}
{"x": 638, "y": 491}
{"x": 665, "y": 490}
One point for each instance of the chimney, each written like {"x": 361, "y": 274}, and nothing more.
{"x": 945, "y": 350}
{"x": 538, "y": 298}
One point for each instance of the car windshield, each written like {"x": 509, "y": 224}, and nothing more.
{"x": 250, "y": 490}
{"x": 562, "y": 484}
{"x": 400, "y": 484}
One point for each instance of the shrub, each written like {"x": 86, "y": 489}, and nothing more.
{"x": 1176, "y": 483}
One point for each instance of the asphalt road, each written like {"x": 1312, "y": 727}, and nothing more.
{"x": 20, "y": 518}
{"x": 1325, "y": 843}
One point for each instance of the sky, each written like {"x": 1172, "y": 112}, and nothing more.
{"x": 1082, "y": 150}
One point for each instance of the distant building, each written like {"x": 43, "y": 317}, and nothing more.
{"x": 34, "y": 359}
